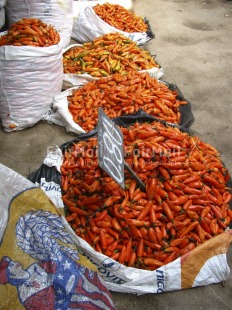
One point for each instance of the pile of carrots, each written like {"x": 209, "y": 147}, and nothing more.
{"x": 107, "y": 54}
{"x": 185, "y": 204}
{"x": 30, "y": 32}
{"x": 120, "y": 18}
{"x": 120, "y": 95}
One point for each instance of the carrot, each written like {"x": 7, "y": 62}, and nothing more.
{"x": 140, "y": 248}
{"x": 227, "y": 197}
{"x": 188, "y": 229}
{"x": 128, "y": 250}
{"x": 91, "y": 200}
{"x": 152, "y": 262}
{"x": 217, "y": 211}
{"x": 78, "y": 211}
{"x": 103, "y": 240}
{"x": 71, "y": 217}
{"x": 167, "y": 211}
{"x": 151, "y": 189}
{"x": 65, "y": 182}
{"x": 83, "y": 220}
{"x": 122, "y": 255}
{"x": 145, "y": 211}
{"x": 135, "y": 233}
{"x": 181, "y": 200}
{"x": 113, "y": 233}
{"x": 197, "y": 166}
{"x": 132, "y": 189}
{"x": 152, "y": 235}
{"x": 205, "y": 211}
{"x": 116, "y": 225}
{"x": 214, "y": 227}
{"x": 101, "y": 216}
{"x": 112, "y": 246}
{"x": 192, "y": 214}
{"x": 158, "y": 234}
{"x": 171, "y": 257}
{"x": 193, "y": 178}
{"x": 187, "y": 248}
{"x": 132, "y": 259}
{"x": 137, "y": 223}
{"x": 115, "y": 255}
{"x": 212, "y": 180}
{"x": 94, "y": 238}
{"x": 164, "y": 232}
{"x": 171, "y": 249}
{"x": 176, "y": 242}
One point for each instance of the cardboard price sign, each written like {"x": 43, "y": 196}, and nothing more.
{"x": 110, "y": 148}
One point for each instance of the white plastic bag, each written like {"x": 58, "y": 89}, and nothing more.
{"x": 2, "y": 17}
{"x": 89, "y": 26}
{"x": 58, "y": 13}
{"x": 78, "y": 5}
{"x": 204, "y": 265}
{"x": 71, "y": 79}
{"x": 30, "y": 78}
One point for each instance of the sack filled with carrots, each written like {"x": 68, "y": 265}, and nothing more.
{"x": 173, "y": 235}
{"x": 31, "y": 72}
{"x": 59, "y": 14}
{"x": 78, "y": 5}
{"x": 77, "y": 107}
{"x": 103, "y": 18}
{"x": 108, "y": 54}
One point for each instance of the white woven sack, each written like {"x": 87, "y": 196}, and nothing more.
{"x": 58, "y": 13}
{"x": 80, "y": 4}
{"x": 30, "y": 77}
{"x": 60, "y": 115}
{"x": 2, "y": 17}
{"x": 88, "y": 26}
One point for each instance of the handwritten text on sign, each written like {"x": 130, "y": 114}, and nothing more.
{"x": 110, "y": 148}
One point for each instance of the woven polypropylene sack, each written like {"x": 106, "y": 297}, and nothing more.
{"x": 30, "y": 77}
{"x": 40, "y": 265}
{"x": 78, "y": 5}
{"x": 88, "y": 26}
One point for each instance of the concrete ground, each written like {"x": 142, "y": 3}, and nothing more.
{"x": 194, "y": 46}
